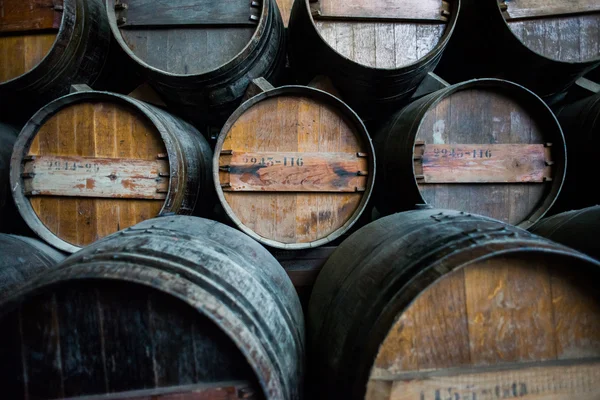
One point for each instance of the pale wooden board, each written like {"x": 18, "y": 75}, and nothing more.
{"x": 540, "y": 381}
{"x": 295, "y": 172}
{"x": 525, "y": 9}
{"x": 491, "y": 163}
{"x": 381, "y": 9}
{"x": 73, "y": 176}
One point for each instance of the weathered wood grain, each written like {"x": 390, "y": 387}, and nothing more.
{"x": 20, "y": 54}
{"x": 436, "y": 304}
{"x": 534, "y": 381}
{"x": 150, "y": 13}
{"x": 29, "y": 15}
{"x": 492, "y": 163}
{"x": 295, "y": 172}
{"x": 381, "y": 10}
{"x": 301, "y": 211}
{"x": 96, "y": 177}
{"x": 525, "y": 9}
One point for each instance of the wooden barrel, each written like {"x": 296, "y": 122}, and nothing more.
{"x": 8, "y": 136}
{"x": 47, "y": 45}
{"x": 172, "y": 301}
{"x": 21, "y": 259}
{"x": 545, "y": 46}
{"x": 485, "y": 146}
{"x": 93, "y": 163}
{"x": 294, "y": 167}
{"x": 376, "y": 54}
{"x": 577, "y": 229}
{"x": 437, "y": 304}
{"x": 201, "y": 55}
{"x": 581, "y": 124}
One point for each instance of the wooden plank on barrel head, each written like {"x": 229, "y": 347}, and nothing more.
{"x": 95, "y": 177}
{"x": 552, "y": 380}
{"x": 296, "y": 172}
{"x": 208, "y": 391}
{"x": 470, "y": 163}
{"x": 29, "y": 15}
{"x": 524, "y": 9}
{"x": 422, "y": 10}
{"x": 148, "y": 13}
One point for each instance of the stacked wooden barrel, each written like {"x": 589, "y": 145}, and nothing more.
{"x": 172, "y": 301}
{"x": 93, "y": 163}
{"x": 375, "y": 53}
{"x": 201, "y": 55}
{"x": 294, "y": 167}
{"x": 486, "y": 146}
{"x": 435, "y": 303}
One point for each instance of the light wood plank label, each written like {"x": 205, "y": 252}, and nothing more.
{"x": 96, "y": 177}
{"x": 294, "y": 172}
{"x": 424, "y": 10}
{"x": 525, "y": 9}
{"x": 494, "y": 163}
{"x": 542, "y": 381}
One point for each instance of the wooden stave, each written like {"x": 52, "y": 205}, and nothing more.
{"x": 579, "y": 121}
{"x": 356, "y": 82}
{"x": 212, "y": 96}
{"x": 391, "y": 197}
{"x": 77, "y": 57}
{"x": 577, "y": 229}
{"x": 346, "y": 331}
{"x": 302, "y": 91}
{"x": 272, "y": 343}
{"x": 187, "y": 149}
{"x": 21, "y": 259}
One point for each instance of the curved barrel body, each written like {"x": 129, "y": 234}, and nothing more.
{"x": 454, "y": 293}
{"x": 238, "y": 41}
{"x": 171, "y": 301}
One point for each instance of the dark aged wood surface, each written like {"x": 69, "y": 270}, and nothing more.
{"x": 113, "y": 138}
{"x": 580, "y": 122}
{"x": 172, "y": 301}
{"x": 294, "y": 205}
{"x": 433, "y": 291}
{"x": 578, "y": 229}
{"x": 150, "y": 13}
{"x": 21, "y": 259}
{"x": 29, "y": 15}
{"x": 484, "y": 113}
{"x": 8, "y": 136}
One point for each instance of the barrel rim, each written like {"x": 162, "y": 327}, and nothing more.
{"x": 589, "y": 62}
{"x": 440, "y": 46}
{"x": 521, "y": 92}
{"x": 62, "y": 35}
{"x": 29, "y": 132}
{"x": 266, "y": 13}
{"x": 298, "y": 91}
{"x": 179, "y": 288}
